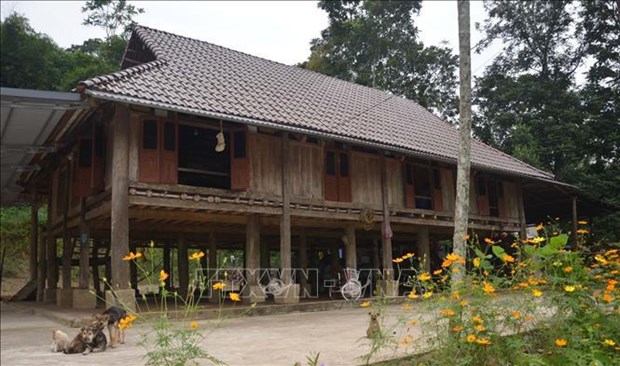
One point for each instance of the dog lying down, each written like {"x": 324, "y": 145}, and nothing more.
{"x": 89, "y": 339}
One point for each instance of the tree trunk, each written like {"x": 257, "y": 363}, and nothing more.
{"x": 462, "y": 181}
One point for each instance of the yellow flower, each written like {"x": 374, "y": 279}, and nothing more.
{"x": 539, "y": 227}
{"x": 424, "y": 277}
{"x": 219, "y": 286}
{"x": 447, "y": 312}
{"x": 464, "y": 303}
{"x": 365, "y": 304}
{"x": 582, "y": 222}
{"x": 582, "y": 231}
{"x": 234, "y": 296}
{"x": 568, "y": 269}
{"x": 483, "y": 341}
{"x": 437, "y": 272}
{"x": 126, "y": 322}
{"x": 569, "y": 288}
{"x": 477, "y": 262}
{"x": 197, "y": 255}
{"x": 489, "y": 241}
{"x": 427, "y": 294}
{"x": 561, "y": 342}
{"x": 412, "y": 323}
{"x": 453, "y": 257}
{"x": 131, "y": 256}
{"x": 609, "y": 342}
{"x": 163, "y": 275}
{"x": 412, "y": 295}
{"x": 480, "y": 328}
{"x": 477, "y": 319}
{"x": 488, "y": 288}
{"x": 516, "y": 314}
{"x": 471, "y": 338}
{"x": 537, "y": 292}
{"x": 408, "y": 255}
{"x": 457, "y": 328}
{"x": 508, "y": 258}
{"x": 600, "y": 259}
{"x": 193, "y": 325}
{"x": 537, "y": 240}
{"x": 397, "y": 260}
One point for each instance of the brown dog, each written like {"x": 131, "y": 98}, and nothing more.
{"x": 77, "y": 345}
{"x": 111, "y": 318}
{"x": 373, "y": 328}
{"x": 95, "y": 340}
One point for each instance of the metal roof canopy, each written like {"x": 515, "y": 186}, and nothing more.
{"x": 27, "y": 119}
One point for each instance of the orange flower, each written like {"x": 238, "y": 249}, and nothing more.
{"x": 477, "y": 319}
{"x": 412, "y": 323}
{"x": 582, "y": 231}
{"x": 471, "y": 338}
{"x": 457, "y": 328}
{"x": 607, "y": 297}
{"x": 489, "y": 241}
{"x": 412, "y": 295}
{"x": 483, "y": 341}
{"x": 447, "y": 312}
{"x": 365, "y": 304}
{"x": 561, "y": 342}
{"x": 568, "y": 269}
{"x": 488, "y": 288}
{"x": 508, "y": 258}
{"x": 131, "y": 256}
{"x": 437, "y": 272}
{"x": 163, "y": 275}
{"x": 464, "y": 303}
{"x": 219, "y": 286}
{"x": 539, "y": 227}
{"x": 582, "y": 222}
{"x": 193, "y": 325}
{"x": 480, "y": 328}
{"x": 407, "y": 256}
{"x": 397, "y": 260}
{"x": 424, "y": 277}
{"x": 516, "y": 314}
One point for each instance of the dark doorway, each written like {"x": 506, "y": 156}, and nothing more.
{"x": 199, "y": 163}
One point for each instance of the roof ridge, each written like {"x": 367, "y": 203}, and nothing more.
{"x": 123, "y": 73}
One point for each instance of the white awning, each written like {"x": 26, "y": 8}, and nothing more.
{"x": 27, "y": 119}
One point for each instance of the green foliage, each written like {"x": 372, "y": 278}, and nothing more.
{"x": 374, "y": 43}
{"x": 111, "y": 15}
{"x": 15, "y": 237}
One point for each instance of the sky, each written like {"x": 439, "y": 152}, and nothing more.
{"x": 276, "y": 30}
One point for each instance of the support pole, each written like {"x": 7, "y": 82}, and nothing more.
{"x": 575, "y": 223}
{"x": 34, "y": 240}
{"x": 41, "y": 267}
{"x": 303, "y": 262}
{"x": 350, "y": 247}
{"x": 285, "y": 223}
{"x": 49, "y": 295}
{"x": 212, "y": 254}
{"x": 166, "y": 266}
{"x": 522, "y": 220}
{"x": 84, "y": 247}
{"x": 424, "y": 248}
{"x": 95, "y": 264}
{"x": 386, "y": 229}
{"x": 252, "y": 292}
{"x": 120, "y": 199}
{"x": 133, "y": 268}
{"x": 183, "y": 263}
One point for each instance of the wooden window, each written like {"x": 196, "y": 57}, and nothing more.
{"x": 82, "y": 168}
{"x": 149, "y": 134}
{"x": 437, "y": 192}
{"x": 423, "y": 187}
{"x": 198, "y": 163}
{"x": 483, "y": 197}
{"x": 149, "y": 153}
{"x": 337, "y": 180}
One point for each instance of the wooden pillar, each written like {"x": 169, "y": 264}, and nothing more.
{"x": 303, "y": 260}
{"x": 575, "y": 223}
{"x": 166, "y": 265}
{"x": 84, "y": 247}
{"x": 285, "y": 222}
{"x": 34, "y": 240}
{"x": 41, "y": 267}
{"x": 386, "y": 229}
{"x": 424, "y": 248}
{"x": 183, "y": 263}
{"x": 350, "y": 247}
{"x": 521, "y": 205}
{"x": 252, "y": 249}
{"x": 212, "y": 254}
{"x": 67, "y": 246}
{"x": 376, "y": 263}
{"x": 95, "y": 265}
{"x": 133, "y": 268}
{"x": 51, "y": 255}
{"x": 120, "y": 198}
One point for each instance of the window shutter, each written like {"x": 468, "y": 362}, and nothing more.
{"x": 149, "y": 152}
{"x": 331, "y": 176}
{"x": 168, "y": 153}
{"x": 240, "y": 161}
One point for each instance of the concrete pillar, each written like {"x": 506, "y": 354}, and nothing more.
{"x": 252, "y": 292}
{"x": 120, "y": 210}
{"x": 350, "y": 254}
{"x": 424, "y": 248}
{"x": 183, "y": 263}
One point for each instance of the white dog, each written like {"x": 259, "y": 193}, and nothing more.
{"x": 60, "y": 340}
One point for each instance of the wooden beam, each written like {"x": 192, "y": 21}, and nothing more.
{"x": 285, "y": 223}
{"x": 120, "y": 199}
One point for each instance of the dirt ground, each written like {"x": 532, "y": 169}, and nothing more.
{"x": 339, "y": 336}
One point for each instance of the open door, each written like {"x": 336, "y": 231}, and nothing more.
{"x": 344, "y": 177}
{"x": 240, "y": 162}
{"x": 330, "y": 181}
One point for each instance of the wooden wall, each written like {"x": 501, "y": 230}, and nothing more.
{"x": 509, "y": 205}
{"x": 365, "y": 178}
{"x": 448, "y": 190}
{"x": 265, "y": 164}
{"x": 306, "y": 161}
{"x": 396, "y": 189}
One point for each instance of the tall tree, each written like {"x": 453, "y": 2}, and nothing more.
{"x": 375, "y": 43}
{"x": 463, "y": 168}
{"x": 527, "y": 103}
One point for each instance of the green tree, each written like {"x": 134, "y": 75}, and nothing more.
{"x": 375, "y": 43}
{"x": 112, "y": 15}
{"x": 28, "y": 59}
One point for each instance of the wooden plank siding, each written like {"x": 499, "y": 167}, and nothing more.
{"x": 509, "y": 205}
{"x": 306, "y": 170}
{"x": 395, "y": 183}
{"x": 366, "y": 179}
{"x": 265, "y": 164}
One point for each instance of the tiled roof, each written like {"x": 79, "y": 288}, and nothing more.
{"x": 198, "y": 76}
